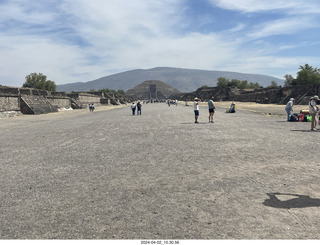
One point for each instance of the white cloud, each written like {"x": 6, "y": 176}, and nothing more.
{"x": 296, "y": 6}
{"x": 31, "y": 12}
{"x": 76, "y": 40}
{"x": 23, "y": 55}
{"x": 292, "y": 25}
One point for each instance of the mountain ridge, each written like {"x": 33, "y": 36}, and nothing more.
{"x": 183, "y": 79}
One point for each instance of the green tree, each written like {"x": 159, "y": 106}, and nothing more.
{"x": 39, "y": 81}
{"x": 308, "y": 75}
{"x": 243, "y": 84}
{"x": 289, "y": 81}
{"x": 120, "y": 92}
{"x": 222, "y": 82}
{"x": 273, "y": 84}
{"x": 254, "y": 85}
{"x": 105, "y": 90}
{"x": 235, "y": 83}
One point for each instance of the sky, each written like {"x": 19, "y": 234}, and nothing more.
{"x": 82, "y": 40}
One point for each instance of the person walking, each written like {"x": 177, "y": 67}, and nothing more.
{"x": 139, "y": 108}
{"x": 196, "y": 109}
{"x": 313, "y": 110}
{"x": 133, "y": 108}
{"x": 211, "y": 109}
{"x": 289, "y": 108}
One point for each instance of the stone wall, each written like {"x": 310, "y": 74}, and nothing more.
{"x": 9, "y": 103}
{"x": 60, "y": 102}
{"x": 267, "y": 96}
{"x": 34, "y": 101}
{"x": 30, "y": 101}
{"x": 276, "y": 95}
{"x": 84, "y": 99}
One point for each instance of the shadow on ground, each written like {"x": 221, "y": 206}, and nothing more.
{"x": 305, "y": 130}
{"x": 295, "y": 201}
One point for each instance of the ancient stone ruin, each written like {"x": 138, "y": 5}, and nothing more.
{"x": 275, "y": 95}
{"x": 15, "y": 101}
{"x": 152, "y": 90}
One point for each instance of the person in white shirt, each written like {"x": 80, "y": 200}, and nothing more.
{"x": 289, "y": 108}
{"x": 133, "y": 108}
{"x": 196, "y": 109}
{"x": 313, "y": 110}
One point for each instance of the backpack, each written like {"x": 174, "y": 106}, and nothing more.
{"x": 294, "y": 118}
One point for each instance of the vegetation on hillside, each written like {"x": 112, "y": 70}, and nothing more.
{"x": 307, "y": 75}
{"x": 223, "y": 82}
{"x": 119, "y": 93}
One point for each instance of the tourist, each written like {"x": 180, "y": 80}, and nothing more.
{"x": 91, "y": 107}
{"x": 289, "y": 108}
{"x": 313, "y": 110}
{"x": 139, "y": 108}
{"x": 211, "y": 109}
{"x": 232, "y": 108}
{"x": 133, "y": 108}
{"x": 196, "y": 109}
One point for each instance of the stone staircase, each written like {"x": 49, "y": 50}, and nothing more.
{"x": 113, "y": 99}
{"x": 302, "y": 95}
{"x": 76, "y": 104}
{"x": 31, "y": 104}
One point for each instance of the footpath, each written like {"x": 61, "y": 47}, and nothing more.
{"x": 111, "y": 175}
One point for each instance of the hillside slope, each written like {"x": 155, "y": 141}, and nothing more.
{"x": 185, "y": 80}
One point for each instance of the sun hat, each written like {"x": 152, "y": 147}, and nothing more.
{"x": 196, "y": 98}
{"x": 315, "y": 97}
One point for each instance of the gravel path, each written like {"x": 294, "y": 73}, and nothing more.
{"x": 111, "y": 175}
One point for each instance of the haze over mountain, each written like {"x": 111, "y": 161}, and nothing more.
{"x": 185, "y": 80}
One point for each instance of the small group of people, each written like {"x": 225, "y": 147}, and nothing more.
{"x": 174, "y": 102}
{"x": 211, "y": 109}
{"x": 137, "y": 106}
{"x": 91, "y": 107}
{"x": 313, "y": 110}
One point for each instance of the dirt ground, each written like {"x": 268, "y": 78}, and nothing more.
{"x": 112, "y": 175}
{"x": 264, "y": 109}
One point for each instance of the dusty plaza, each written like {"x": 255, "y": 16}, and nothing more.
{"x": 111, "y": 175}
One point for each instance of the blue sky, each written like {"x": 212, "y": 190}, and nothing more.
{"x": 82, "y": 40}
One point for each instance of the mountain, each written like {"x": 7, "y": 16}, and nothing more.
{"x": 185, "y": 80}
